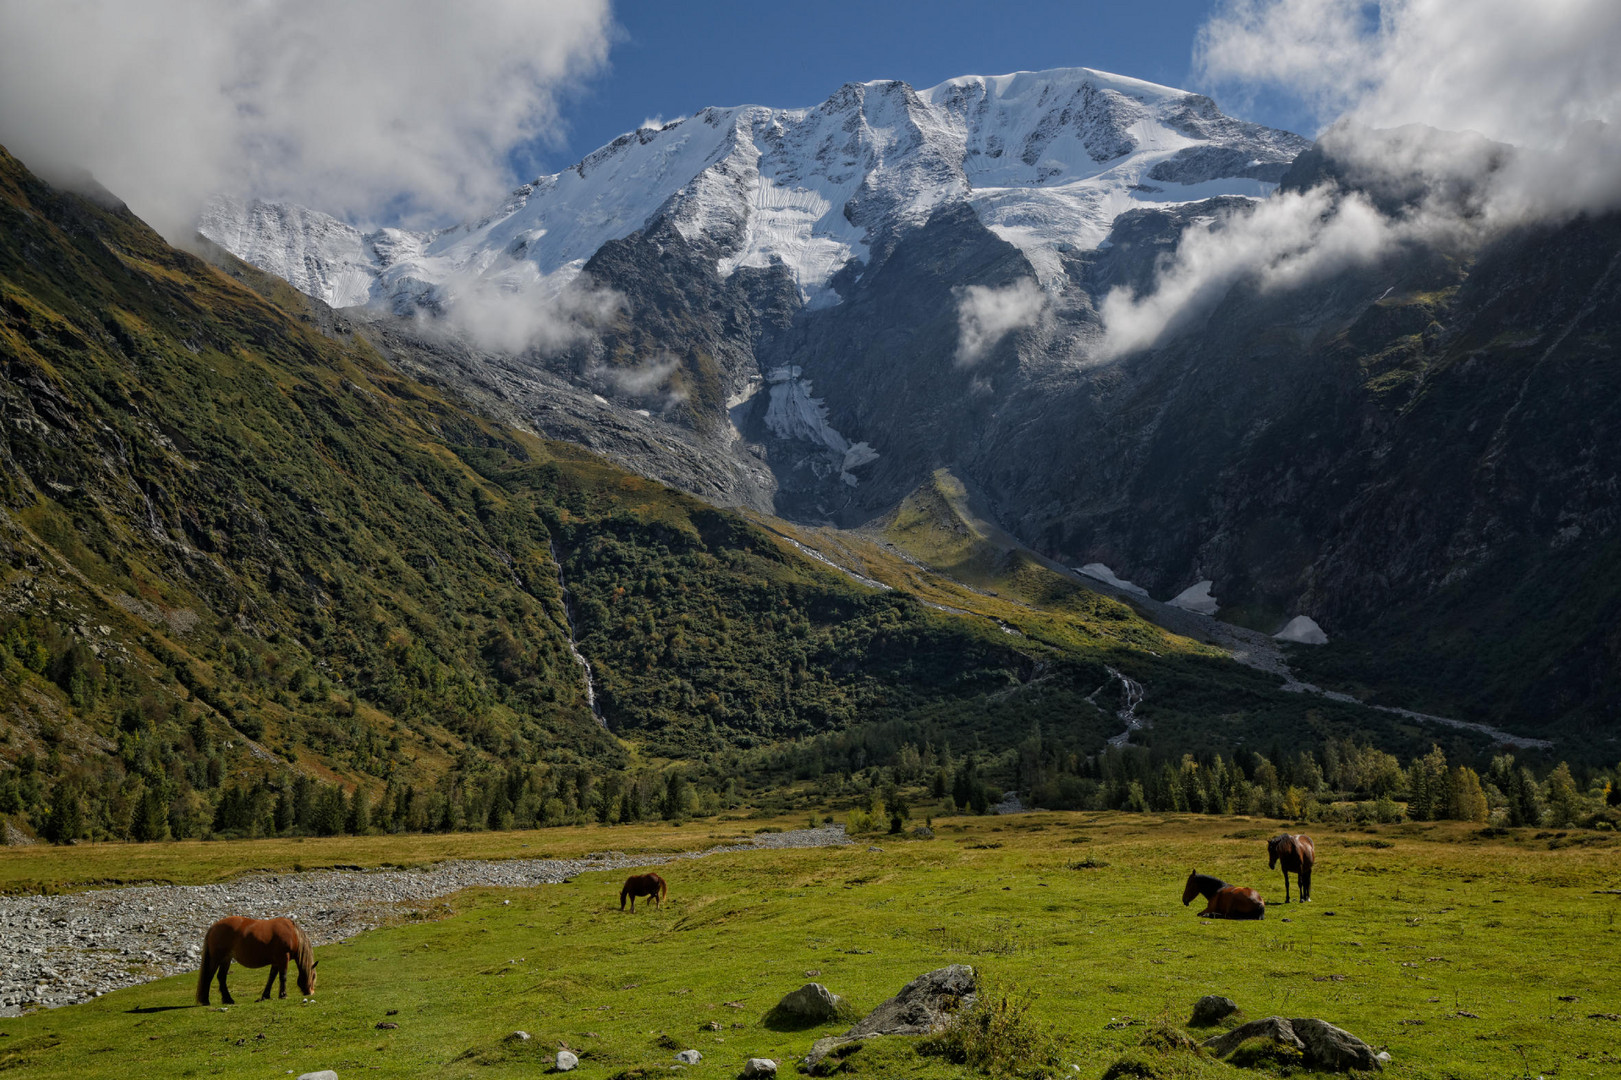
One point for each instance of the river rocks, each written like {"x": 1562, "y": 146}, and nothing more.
{"x": 925, "y": 1004}
{"x": 1324, "y": 1045}
{"x": 808, "y": 1006}
{"x": 566, "y": 1060}
{"x": 67, "y": 949}
{"x": 759, "y": 1069}
{"x": 1211, "y": 1010}
{"x": 689, "y": 1057}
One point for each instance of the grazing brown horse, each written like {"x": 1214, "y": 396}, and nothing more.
{"x": 1223, "y": 901}
{"x": 649, "y": 885}
{"x": 254, "y": 943}
{"x": 1296, "y": 852}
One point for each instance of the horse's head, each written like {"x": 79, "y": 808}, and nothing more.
{"x": 1274, "y": 848}
{"x": 306, "y": 979}
{"x": 1191, "y": 889}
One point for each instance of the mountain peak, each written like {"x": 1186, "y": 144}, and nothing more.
{"x": 1046, "y": 159}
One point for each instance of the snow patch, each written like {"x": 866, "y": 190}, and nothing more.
{"x": 1303, "y": 630}
{"x": 792, "y": 413}
{"x": 1104, "y": 574}
{"x": 1196, "y": 598}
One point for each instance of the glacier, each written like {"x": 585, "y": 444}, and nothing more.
{"x": 1047, "y": 160}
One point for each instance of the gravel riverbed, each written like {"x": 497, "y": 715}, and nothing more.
{"x": 63, "y": 950}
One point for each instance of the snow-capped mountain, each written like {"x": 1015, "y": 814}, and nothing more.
{"x": 1047, "y": 160}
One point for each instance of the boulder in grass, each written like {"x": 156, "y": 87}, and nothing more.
{"x": 924, "y": 1005}
{"x": 324, "y": 1074}
{"x": 1324, "y": 1045}
{"x": 566, "y": 1060}
{"x": 759, "y": 1069}
{"x": 1211, "y": 1010}
{"x": 1334, "y": 1048}
{"x": 810, "y": 1005}
{"x": 689, "y": 1057}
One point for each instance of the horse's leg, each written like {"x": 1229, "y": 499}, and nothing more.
{"x": 1285, "y": 884}
{"x": 225, "y": 993}
{"x": 272, "y": 981}
{"x": 282, "y": 972}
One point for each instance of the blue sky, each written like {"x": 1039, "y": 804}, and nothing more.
{"x": 671, "y": 59}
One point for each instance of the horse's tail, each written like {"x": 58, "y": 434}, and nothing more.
{"x": 663, "y": 890}
{"x": 205, "y": 974}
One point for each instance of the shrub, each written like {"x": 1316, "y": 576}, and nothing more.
{"x": 999, "y": 1037}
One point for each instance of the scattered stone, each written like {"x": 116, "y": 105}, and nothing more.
{"x": 1569, "y": 997}
{"x": 1467, "y": 1015}
{"x": 1211, "y": 1010}
{"x": 758, "y": 1068}
{"x": 324, "y": 1074}
{"x": 566, "y": 1060}
{"x": 689, "y": 1057}
{"x": 1604, "y": 1016}
{"x": 812, "y": 973}
{"x": 923, "y": 832}
{"x": 1324, "y": 1045}
{"x": 386, "y": 1025}
{"x": 874, "y": 847}
{"x": 925, "y": 1004}
{"x": 518, "y": 1036}
{"x": 713, "y": 1025}
{"x": 808, "y": 1006}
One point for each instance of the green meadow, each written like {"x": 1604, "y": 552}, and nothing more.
{"x": 1465, "y": 953}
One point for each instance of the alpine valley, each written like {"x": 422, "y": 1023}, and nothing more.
{"x": 777, "y": 442}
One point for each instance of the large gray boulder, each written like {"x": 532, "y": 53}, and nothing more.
{"x": 689, "y": 1057}
{"x": 808, "y": 1006}
{"x": 759, "y": 1069}
{"x": 1334, "y": 1048}
{"x": 566, "y": 1061}
{"x": 1324, "y": 1045}
{"x": 925, "y": 1004}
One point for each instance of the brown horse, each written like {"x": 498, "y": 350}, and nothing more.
{"x": 649, "y": 885}
{"x": 1296, "y": 852}
{"x": 1223, "y": 901}
{"x": 254, "y": 943}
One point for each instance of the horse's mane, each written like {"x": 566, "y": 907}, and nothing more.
{"x": 1208, "y": 879}
{"x": 306, "y": 951}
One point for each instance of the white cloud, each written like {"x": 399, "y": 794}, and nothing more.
{"x": 1543, "y": 77}
{"x": 520, "y": 309}
{"x": 383, "y": 111}
{"x": 986, "y": 315}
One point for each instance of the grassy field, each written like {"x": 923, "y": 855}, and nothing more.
{"x": 1465, "y": 955}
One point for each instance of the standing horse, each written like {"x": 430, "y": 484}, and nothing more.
{"x": 1296, "y": 852}
{"x": 254, "y": 943}
{"x": 1223, "y": 901}
{"x": 649, "y": 885}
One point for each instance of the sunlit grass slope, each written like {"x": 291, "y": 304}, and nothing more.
{"x": 1466, "y": 956}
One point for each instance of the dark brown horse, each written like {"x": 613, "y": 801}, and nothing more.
{"x": 649, "y": 885}
{"x": 254, "y": 943}
{"x": 1223, "y": 901}
{"x": 1296, "y": 852}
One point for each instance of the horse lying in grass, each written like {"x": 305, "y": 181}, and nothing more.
{"x": 1296, "y": 852}
{"x": 1223, "y": 901}
{"x": 649, "y": 885}
{"x": 254, "y": 943}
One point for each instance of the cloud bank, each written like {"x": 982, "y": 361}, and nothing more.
{"x": 520, "y": 309}
{"x": 380, "y": 111}
{"x": 986, "y": 315}
{"x": 1543, "y": 78}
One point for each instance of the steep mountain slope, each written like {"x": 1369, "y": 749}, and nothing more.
{"x": 243, "y": 552}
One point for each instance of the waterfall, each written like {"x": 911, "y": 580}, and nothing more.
{"x": 574, "y": 650}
